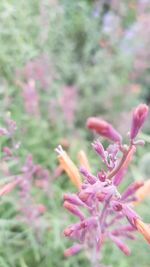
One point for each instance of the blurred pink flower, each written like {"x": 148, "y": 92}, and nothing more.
{"x": 103, "y": 128}
{"x": 139, "y": 116}
{"x": 39, "y": 70}
{"x": 30, "y": 97}
{"x": 8, "y": 187}
{"x": 68, "y": 102}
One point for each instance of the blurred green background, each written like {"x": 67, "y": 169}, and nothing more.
{"x": 62, "y": 61}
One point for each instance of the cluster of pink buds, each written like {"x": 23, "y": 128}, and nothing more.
{"x": 99, "y": 205}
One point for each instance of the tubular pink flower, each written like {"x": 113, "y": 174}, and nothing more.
{"x": 119, "y": 176}
{"x": 74, "y": 210}
{"x": 123, "y": 228}
{"x": 72, "y": 228}
{"x": 103, "y": 128}
{"x": 120, "y": 245}
{"x": 98, "y": 147}
{"x": 89, "y": 177}
{"x": 139, "y": 115}
{"x": 73, "y": 199}
{"x": 131, "y": 189}
{"x": 130, "y": 214}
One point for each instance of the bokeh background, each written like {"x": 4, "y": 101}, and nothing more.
{"x": 62, "y": 61}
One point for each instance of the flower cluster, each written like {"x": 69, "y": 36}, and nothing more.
{"x": 31, "y": 210}
{"x": 103, "y": 211}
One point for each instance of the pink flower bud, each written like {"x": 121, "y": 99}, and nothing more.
{"x": 90, "y": 222}
{"x": 127, "y": 227}
{"x": 72, "y": 228}
{"x": 119, "y": 176}
{"x": 72, "y": 250}
{"x": 139, "y": 142}
{"x": 101, "y": 196}
{"x": 102, "y": 176}
{"x": 123, "y": 229}
{"x": 139, "y": 115}
{"x": 131, "y": 189}
{"x": 123, "y": 247}
{"x": 89, "y": 177}
{"x": 98, "y": 147}
{"x": 73, "y": 199}
{"x": 103, "y": 128}
{"x": 130, "y": 214}
{"x": 84, "y": 195}
{"x": 74, "y": 210}
{"x": 116, "y": 206}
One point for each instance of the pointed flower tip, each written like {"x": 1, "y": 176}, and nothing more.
{"x": 68, "y": 166}
{"x": 143, "y": 228}
{"x": 98, "y": 147}
{"x": 82, "y": 157}
{"x": 131, "y": 189}
{"x": 72, "y": 250}
{"x": 59, "y": 150}
{"x": 73, "y": 209}
{"x": 123, "y": 247}
{"x": 103, "y": 128}
{"x": 138, "y": 118}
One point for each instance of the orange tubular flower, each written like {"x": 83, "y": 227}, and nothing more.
{"x": 69, "y": 167}
{"x": 144, "y": 229}
{"x": 143, "y": 192}
{"x": 83, "y": 160}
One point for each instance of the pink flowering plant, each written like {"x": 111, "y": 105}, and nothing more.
{"x": 103, "y": 211}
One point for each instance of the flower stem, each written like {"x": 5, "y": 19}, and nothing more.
{"x": 126, "y": 154}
